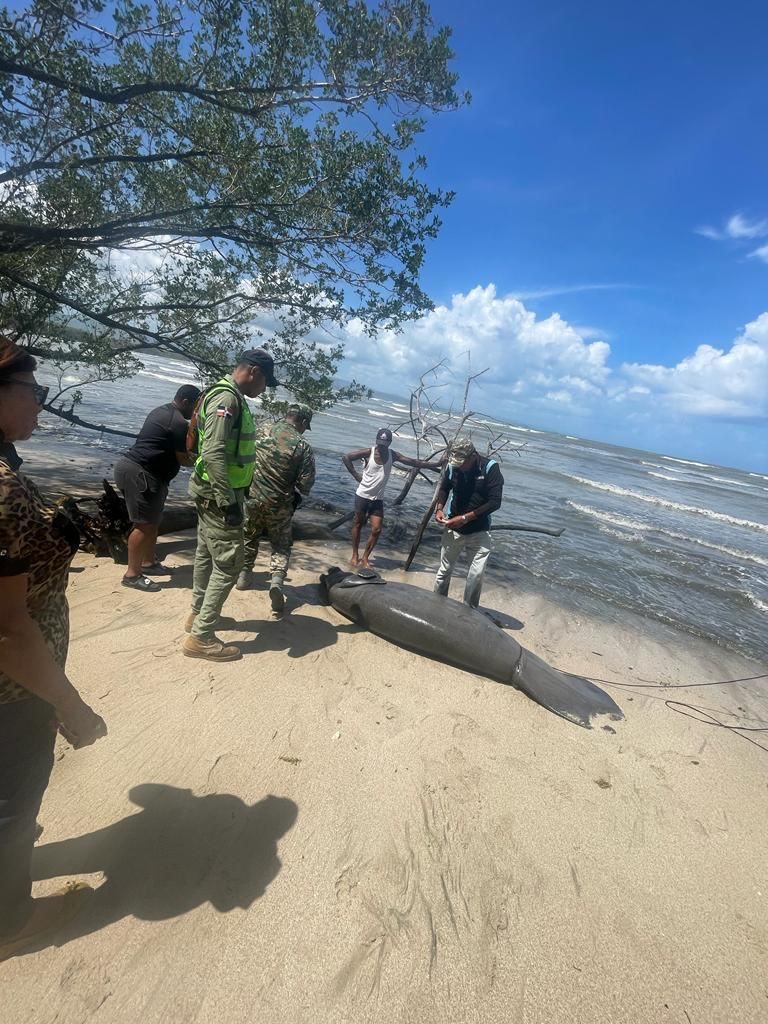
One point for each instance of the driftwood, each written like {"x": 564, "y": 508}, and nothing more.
{"x": 529, "y": 529}
{"x": 340, "y": 521}
{"x": 416, "y": 397}
{"x": 104, "y": 531}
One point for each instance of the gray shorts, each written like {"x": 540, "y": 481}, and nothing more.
{"x": 144, "y": 494}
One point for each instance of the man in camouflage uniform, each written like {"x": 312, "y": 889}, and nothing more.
{"x": 284, "y": 472}
{"x": 223, "y": 473}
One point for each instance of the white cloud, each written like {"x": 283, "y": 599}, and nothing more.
{"x": 761, "y": 253}
{"x": 548, "y": 293}
{"x": 544, "y": 368}
{"x": 736, "y": 227}
{"x": 529, "y": 356}
{"x": 739, "y": 227}
{"x": 714, "y": 382}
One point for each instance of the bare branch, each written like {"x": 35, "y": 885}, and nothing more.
{"x": 67, "y": 414}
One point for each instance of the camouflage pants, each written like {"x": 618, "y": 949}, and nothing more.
{"x": 274, "y": 522}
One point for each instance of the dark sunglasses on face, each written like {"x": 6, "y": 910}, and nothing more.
{"x": 38, "y": 390}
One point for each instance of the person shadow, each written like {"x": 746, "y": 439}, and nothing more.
{"x": 295, "y": 634}
{"x": 178, "y": 852}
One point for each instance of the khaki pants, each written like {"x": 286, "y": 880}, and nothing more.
{"x": 218, "y": 560}
{"x": 478, "y": 546}
{"x": 275, "y": 522}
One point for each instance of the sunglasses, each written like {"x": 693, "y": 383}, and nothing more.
{"x": 38, "y": 390}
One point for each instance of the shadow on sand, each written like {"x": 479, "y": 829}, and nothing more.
{"x": 297, "y": 635}
{"x": 179, "y": 852}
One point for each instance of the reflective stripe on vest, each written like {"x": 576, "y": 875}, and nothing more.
{"x": 241, "y": 445}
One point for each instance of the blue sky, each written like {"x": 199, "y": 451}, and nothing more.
{"x": 611, "y": 219}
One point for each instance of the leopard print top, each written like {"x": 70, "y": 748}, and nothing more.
{"x": 32, "y": 542}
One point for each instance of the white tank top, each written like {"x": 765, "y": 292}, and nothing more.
{"x": 375, "y": 478}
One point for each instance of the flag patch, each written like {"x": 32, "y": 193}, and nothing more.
{"x": 223, "y": 410}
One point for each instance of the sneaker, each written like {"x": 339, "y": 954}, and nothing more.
{"x": 157, "y": 569}
{"x": 141, "y": 583}
{"x": 210, "y": 649}
{"x": 49, "y": 915}
{"x": 244, "y": 580}
{"x": 277, "y": 598}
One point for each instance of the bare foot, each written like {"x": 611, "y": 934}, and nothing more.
{"x": 354, "y": 560}
{"x": 49, "y": 914}
{"x": 365, "y": 563}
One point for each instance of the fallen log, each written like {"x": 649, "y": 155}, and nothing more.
{"x": 341, "y": 520}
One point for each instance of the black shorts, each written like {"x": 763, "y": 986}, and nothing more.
{"x": 365, "y": 507}
{"x": 144, "y": 494}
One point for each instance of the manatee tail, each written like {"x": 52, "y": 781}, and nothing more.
{"x": 571, "y": 697}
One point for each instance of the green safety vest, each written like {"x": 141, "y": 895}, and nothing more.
{"x": 241, "y": 446}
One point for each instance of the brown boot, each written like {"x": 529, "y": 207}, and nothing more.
{"x": 210, "y": 649}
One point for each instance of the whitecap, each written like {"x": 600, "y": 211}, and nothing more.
{"x": 725, "y": 480}
{"x": 637, "y": 526}
{"x": 761, "y": 605}
{"x": 665, "y": 503}
{"x": 686, "y": 462}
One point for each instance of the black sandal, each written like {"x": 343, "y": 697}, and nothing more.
{"x": 140, "y": 583}
{"x": 157, "y": 569}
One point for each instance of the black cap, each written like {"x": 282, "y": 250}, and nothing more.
{"x": 261, "y": 358}
{"x": 384, "y": 436}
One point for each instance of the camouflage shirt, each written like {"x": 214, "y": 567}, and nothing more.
{"x": 284, "y": 463}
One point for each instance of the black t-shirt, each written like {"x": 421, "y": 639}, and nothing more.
{"x": 164, "y": 433}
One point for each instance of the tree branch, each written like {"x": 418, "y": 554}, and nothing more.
{"x": 97, "y": 161}
{"x": 70, "y": 417}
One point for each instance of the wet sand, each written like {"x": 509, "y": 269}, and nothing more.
{"x": 337, "y": 830}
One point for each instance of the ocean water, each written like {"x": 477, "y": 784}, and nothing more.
{"x": 676, "y": 541}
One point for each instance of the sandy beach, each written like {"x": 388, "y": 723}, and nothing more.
{"x": 337, "y": 830}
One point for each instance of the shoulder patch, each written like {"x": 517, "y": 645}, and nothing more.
{"x": 224, "y": 410}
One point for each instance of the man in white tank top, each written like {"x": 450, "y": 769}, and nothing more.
{"x": 369, "y": 503}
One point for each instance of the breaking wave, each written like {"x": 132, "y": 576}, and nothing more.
{"x": 686, "y": 462}
{"x": 639, "y": 527}
{"x": 652, "y": 499}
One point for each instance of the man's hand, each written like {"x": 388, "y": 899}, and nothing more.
{"x": 454, "y": 522}
{"x": 233, "y": 515}
{"x": 440, "y": 516}
{"x": 79, "y": 724}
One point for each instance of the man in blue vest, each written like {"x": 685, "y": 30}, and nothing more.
{"x": 470, "y": 490}
{"x": 220, "y": 481}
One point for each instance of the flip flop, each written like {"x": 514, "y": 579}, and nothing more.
{"x": 157, "y": 569}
